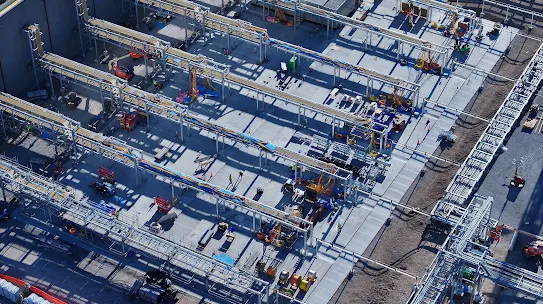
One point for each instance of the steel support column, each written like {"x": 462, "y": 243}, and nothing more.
{"x": 146, "y": 69}
{"x": 222, "y": 87}
{"x": 327, "y": 27}
{"x": 136, "y": 172}
{"x": 53, "y": 97}
{"x": 260, "y": 52}
{"x": 53, "y": 134}
{"x": 181, "y": 131}
{"x": 101, "y": 90}
{"x": 204, "y": 28}
{"x": 257, "y": 102}
{"x": 186, "y": 29}
{"x": 228, "y": 40}
{"x": 34, "y": 63}
{"x": 217, "y": 207}
{"x": 147, "y": 117}
{"x": 254, "y": 221}
{"x": 3, "y": 190}
{"x": 74, "y": 143}
{"x": 260, "y": 159}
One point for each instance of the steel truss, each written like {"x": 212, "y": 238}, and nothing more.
{"x": 492, "y": 139}
{"x": 85, "y": 213}
{"x": 299, "y": 9}
{"x": 247, "y": 32}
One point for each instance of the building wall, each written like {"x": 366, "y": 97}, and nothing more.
{"x": 57, "y": 20}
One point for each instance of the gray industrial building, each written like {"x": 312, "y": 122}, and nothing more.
{"x": 57, "y": 19}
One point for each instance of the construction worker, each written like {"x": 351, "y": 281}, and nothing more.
{"x": 240, "y": 174}
{"x": 230, "y": 178}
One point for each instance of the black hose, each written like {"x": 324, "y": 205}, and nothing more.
{"x": 3, "y": 79}
{"x": 48, "y": 27}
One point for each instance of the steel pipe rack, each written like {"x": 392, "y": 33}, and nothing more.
{"x": 443, "y": 6}
{"x": 480, "y": 157}
{"x": 186, "y": 61}
{"x": 121, "y": 152}
{"x": 400, "y": 38}
{"x": 260, "y": 37}
{"x": 509, "y": 7}
{"x": 463, "y": 248}
{"x": 83, "y": 212}
{"x": 164, "y": 107}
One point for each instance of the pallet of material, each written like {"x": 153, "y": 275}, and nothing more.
{"x": 160, "y": 154}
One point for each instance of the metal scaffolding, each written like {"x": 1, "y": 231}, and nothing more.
{"x": 50, "y": 195}
{"x": 449, "y": 209}
{"x": 247, "y": 32}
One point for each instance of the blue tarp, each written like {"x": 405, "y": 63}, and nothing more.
{"x": 226, "y": 259}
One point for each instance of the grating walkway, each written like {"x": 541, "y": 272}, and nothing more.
{"x": 449, "y": 209}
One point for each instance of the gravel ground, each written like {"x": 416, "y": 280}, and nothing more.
{"x": 410, "y": 242}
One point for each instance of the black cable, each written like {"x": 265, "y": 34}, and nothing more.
{"x": 48, "y": 27}
{"x": 3, "y": 79}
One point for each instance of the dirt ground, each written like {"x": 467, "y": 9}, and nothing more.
{"x": 410, "y": 242}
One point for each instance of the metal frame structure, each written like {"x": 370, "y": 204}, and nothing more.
{"x": 450, "y": 208}
{"x": 176, "y": 58}
{"x": 442, "y": 6}
{"x": 169, "y": 110}
{"x": 465, "y": 245}
{"x": 247, "y": 32}
{"x": 125, "y": 154}
{"x": 129, "y": 39}
{"x": 298, "y": 8}
{"x": 51, "y": 195}
{"x": 465, "y": 248}
{"x": 511, "y": 7}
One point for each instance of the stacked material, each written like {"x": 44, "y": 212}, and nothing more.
{"x": 9, "y": 291}
{"x": 35, "y": 299}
